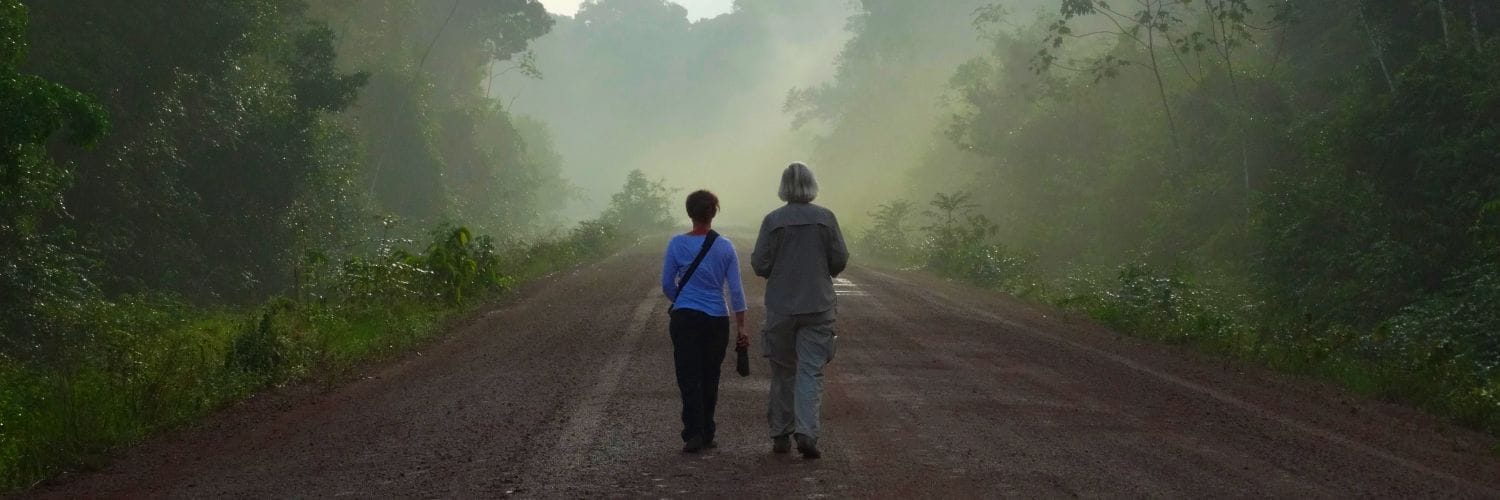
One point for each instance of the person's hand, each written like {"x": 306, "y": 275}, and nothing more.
{"x": 743, "y": 340}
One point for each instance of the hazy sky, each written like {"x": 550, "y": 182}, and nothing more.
{"x": 697, "y": 9}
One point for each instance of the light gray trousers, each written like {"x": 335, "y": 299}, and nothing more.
{"x": 798, "y": 347}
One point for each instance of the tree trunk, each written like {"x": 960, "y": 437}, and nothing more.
{"x": 1375, "y": 47}
{"x": 1221, "y": 33}
{"x": 489, "y": 84}
{"x": 1474, "y": 24}
{"x": 391, "y": 132}
{"x": 1443, "y": 16}
{"x": 439, "y": 34}
{"x": 1161, "y": 86}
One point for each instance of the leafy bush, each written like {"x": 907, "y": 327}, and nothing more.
{"x": 890, "y": 239}
{"x": 643, "y": 206}
{"x": 1143, "y": 301}
{"x": 462, "y": 266}
{"x": 266, "y": 346}
{"x": 1460, "y": 326}
{"x": 1444, "y": 352}
{"x": 958, "y": 245}
{"x": 592, "y": 237}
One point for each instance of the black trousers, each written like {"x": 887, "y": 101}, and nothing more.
{"x": 698, "y": 345}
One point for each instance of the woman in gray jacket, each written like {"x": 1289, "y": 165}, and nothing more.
{"x": 800, "y": 250}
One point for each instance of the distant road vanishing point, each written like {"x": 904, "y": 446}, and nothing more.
{"x": 937, "y": 390}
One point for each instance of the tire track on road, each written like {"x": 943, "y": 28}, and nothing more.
{"x": 939, "y": 300}
{"x": 570, "y": 453}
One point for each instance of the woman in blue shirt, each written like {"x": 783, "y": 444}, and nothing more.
{"x": 700, "y": 317}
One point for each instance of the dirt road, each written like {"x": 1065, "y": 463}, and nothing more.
{"x": 937, "y": 391}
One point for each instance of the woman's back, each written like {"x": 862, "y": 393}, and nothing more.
{"x": 704, "y": 292}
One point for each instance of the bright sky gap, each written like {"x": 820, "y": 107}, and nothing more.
{"x": 697, "y": 9}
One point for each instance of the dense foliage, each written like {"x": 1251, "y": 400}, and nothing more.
{"x": 250, "y": 132}
{"x": 38, "y": 276}
{"x": 1308, "y": 184}
{"x": 199, "y": 199}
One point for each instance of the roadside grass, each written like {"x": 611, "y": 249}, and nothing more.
{"x": 147, "y": 366}
{"x": 135, "y": 366}
{"x": 1441, "y": 377}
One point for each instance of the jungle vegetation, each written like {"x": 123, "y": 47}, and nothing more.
{"x": 200, "y": 199}
{"x": 203, "y": 199}
{"x": 1310, "y": 185}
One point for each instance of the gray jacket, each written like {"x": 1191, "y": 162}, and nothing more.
{"x": 800, "y": 250}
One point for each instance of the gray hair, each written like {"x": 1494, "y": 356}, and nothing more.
{"x": 798, "y": 184}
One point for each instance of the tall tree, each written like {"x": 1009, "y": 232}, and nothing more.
{"x": 226, "y": 160}
{"x": 40, "y": 270}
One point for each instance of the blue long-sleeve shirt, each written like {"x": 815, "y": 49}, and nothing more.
{"x": 705, "y": 291}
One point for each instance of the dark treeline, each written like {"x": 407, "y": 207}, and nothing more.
{"x": 245, "y": 134}
{"x": 1309, "y": 184}
{"x": 201, "y": 198}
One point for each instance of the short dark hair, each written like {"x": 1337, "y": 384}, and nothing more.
{"x": 702, "y": 206}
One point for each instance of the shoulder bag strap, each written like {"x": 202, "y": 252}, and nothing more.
{"x": 708, "y": 242}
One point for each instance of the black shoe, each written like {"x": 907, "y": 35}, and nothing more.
{"x": 781, "y": 444}
{"x": 808, "y": 446}
{"x": 711, "y": 444}
{"x": 693, "y": 445}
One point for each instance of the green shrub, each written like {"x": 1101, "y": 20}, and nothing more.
{"x": 1149, "y": 303}
{"x": 889, "y": 240}
{"x": 642, "y": 206}
{"x": 265, "y": 347}
{"x": 958, "y": 244}
{"x": 461, "y": 266}
{"x": 593, "y": 237}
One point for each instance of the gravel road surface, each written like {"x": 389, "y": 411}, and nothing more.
{"x": 938, "y": 390}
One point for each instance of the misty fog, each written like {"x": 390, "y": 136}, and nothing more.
{"x": 724, "y": 102}
{"x": 203, "y": 199}
{"x": 635, "y": 85}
